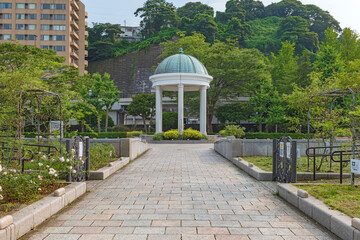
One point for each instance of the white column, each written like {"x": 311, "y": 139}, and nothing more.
{"x": 181, "y": 108}
{"x": 158, "y": 116}
{"x": 203, "y": 110}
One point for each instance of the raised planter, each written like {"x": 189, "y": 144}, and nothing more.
{"x": 18, "y": 224}
{"x": 335, "y": 221}
{"x": 105, "y": 172}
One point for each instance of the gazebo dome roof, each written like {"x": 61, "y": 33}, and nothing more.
{"x": 181, "y": 63}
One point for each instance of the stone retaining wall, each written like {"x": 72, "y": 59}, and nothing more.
{"x": 132, "y": 147}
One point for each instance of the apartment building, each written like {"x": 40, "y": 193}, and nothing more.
{"x": 48, "y": 24}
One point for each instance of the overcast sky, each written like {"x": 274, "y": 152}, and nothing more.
{"x": 119, "y": 11}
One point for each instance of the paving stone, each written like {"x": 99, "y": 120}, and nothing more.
{"x": 180, "y": 192}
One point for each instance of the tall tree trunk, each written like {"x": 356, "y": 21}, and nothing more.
{"x": 276, "y": 128}
{"x": 144, "y": 119}
{"x": 107, "y": 120}
{"x": 210, "y": 116}
{"x": 99, "y": 123}
{"x": 260, "y": 126}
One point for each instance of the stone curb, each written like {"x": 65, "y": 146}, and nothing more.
{"x": 262, "y": 175}
{"x": 33, "y": 215}
{"x": 252, "y": 170}
{"x": 335, "y": 221}
{"x": 107, "y": 171}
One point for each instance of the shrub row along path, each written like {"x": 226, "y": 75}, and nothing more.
{"x": 179, "y": 191}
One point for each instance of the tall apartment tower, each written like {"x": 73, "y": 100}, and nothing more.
{"x": 49, "y": 24}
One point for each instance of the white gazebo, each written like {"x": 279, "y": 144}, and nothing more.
{"x": 181, "y": 73}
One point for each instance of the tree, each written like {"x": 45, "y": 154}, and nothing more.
{"x": 202, "y": 23}
{"x": 191, "y": 9}
{"x": 109, "y": 95}
{"x": 284, "y": 68}
{"x": 233, "y": 112}
{"x": 156, "y": 14}
{"x": 143, "y": 105}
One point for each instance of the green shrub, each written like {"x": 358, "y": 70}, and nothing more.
{"x": 99, "y": 135}
{"x": 101, "y": 155}
{"x": 158, "y": 136}
{"x": 121, "y": 128}
{"x": 171, "y": 134}
{"x": 191, "y": 134}
{"x": 233, "y": 130}
{"x": 133, "y": 134}
{"x": 261, "y": 135}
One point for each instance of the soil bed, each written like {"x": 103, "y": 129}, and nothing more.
{"x": 9, "y": 208}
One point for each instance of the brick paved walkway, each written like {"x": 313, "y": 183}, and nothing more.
{"x": 180, "y": 192}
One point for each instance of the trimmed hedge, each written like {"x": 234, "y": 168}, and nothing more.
{"x": 102, "y": 134}
{"x": 261, "y": 135}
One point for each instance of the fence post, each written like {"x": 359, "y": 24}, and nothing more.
{"x": 293, "y": 161}
{"x": 87, "y": 155}
{"x": 68, "y": 145}
{"x": 274, "y": 173}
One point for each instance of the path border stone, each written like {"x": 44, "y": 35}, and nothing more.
{"x": 338, "y": 223}
{"x": 33, "y": 215}
{"x": 107, "y": 171}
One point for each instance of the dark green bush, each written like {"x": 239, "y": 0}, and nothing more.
{"x": 170, "y": 120}
{"x": 261, "y": 135}
{"x": 158, "y": 137}
{"x": 100, "y": 135}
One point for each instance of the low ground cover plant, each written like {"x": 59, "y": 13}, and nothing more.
{"x": 101, "y": 155}
{"x": 344, "y": 198}
{"x": 265, "y": 163}
{"x": 133, "y": 134}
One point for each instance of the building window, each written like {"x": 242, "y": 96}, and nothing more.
{"x": 20, "y": 16}
{"x": 45, "y": 16}
{"x": 20, "y": 37}
{"x": 31, "y": 6}
{"x": 44, "y": 47}
{"x": 32, "y": 16}
{"x": 59, "y": 27}
{"x": 5, "y": 37}
{"x": 59, "y": 38}
{"x": 20, "y": 26}
{"x": 45, "y": 27}
{"x": 6, "y": 26}
{"x": 45, "y": 37}
{"x": 31, "y": 26}
{"x": 53, "y": 6}
{"x": 20, "y": 5}
{"x": 31, "y": 37}
{"x": 59, "y": 48}
{"x": 5, "y": 5}
{"x": 59, "y": 17}
{"x": 6, "y": 16}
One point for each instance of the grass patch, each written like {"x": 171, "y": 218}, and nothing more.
{"x": 265, "y": 163}
{"x": 344, "y": 198}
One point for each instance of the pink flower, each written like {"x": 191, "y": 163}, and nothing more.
{"x": 39, "y": 189}
{"x": 4, "y": 173}
{"x": 47, "y": 166}
{"x": 40, "y": 164}
{"x": 31, "y": 160}
{"x": 40, "y": 177}
{"x": 1, "y": 168}
{"x": 1, "y": 197}
{"x": 0, "y": 189}
{"x": 74, "y": 171}
{"x": 70, "y": 167}
{"x": 67, "y": 160}
{"x": 62, "y": 159}
{"x": 43, "y": 157}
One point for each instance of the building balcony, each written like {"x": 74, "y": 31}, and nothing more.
{"x": 74, "y": 45}
{"x": 74, "y": 35}
{"x": 86, "y": 14}
{"x": 86, "y": 43}
{"x": 86, "y": 34}
{"x": 75, "y": 15}
{"x": 75, "y": 25}
{"x": 86, "y": 63}
{"x": 86, "y": 24}
{"x": 75, "y": 5}
{"x": 73, "y": 64}
{"x": 86, "y": 53}
{"x": 74, "y": 55}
